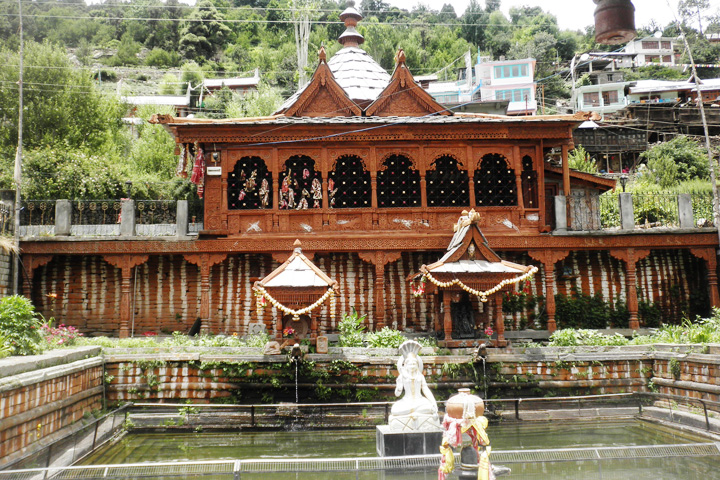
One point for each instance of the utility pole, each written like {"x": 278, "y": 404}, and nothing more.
{"x": 17, "y": 177}
{"x": 711, "y": 161}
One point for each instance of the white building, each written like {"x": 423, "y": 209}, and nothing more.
{"x": 508, "y": 85}
{"x": 653, "y": 51}
{"x": 603, "y": 98}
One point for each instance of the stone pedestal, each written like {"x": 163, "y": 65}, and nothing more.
{"x": 395, "y": 444}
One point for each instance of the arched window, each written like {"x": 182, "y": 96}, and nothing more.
{"x": 529, "y": 183}
{"x": 349, "y": 185}
{"x": 300, "y": 184}
{"x": 447, "y": 185}
{"x": 494, "y": 182}
{"x": 250, "y": 185}
{"x": 398, "y": 185}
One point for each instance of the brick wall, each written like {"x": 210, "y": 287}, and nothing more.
{"x": 35, "y": 405}
{"x": 85, "y": 291}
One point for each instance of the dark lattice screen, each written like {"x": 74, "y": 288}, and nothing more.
{"x": 349, "y": 185}
{"x": 250, "y": 185}
{"x": 529, "y": 183}
{"x": 398, "y": 185}
{"x": 495, "y": 182}
{"x": 300, "y": 184}
{"x": 447, "y": 185}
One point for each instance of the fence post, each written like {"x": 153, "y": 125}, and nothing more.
{"x": 182, "y": 218}
{"x": 685, "y": 211}
{"x": 627, "y": 213}
{"x": 127, "y": 218}
{"x": 63, "y": 217}
{"x": 560, "y": 213}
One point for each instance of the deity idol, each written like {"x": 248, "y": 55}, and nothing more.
{"x": 417, "y": 409}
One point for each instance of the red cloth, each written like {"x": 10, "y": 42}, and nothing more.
{"x": 198, "y": 172}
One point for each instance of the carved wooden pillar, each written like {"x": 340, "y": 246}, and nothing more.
{"x": 549, "y": 258}
{"x": 471, "y": 175}
{"x": 30, "y": 263}
{"x": 275, "y": 167}
{"x": 373, "y": 186}
{"x": 423, "y": 191}
{"x": 379, "y": 258}
{"x": 631, "y": 256}
{"x": 205, "y": 262}
{"x": 126, "y": 263}
{"x": 447, "y": 311}
{"x": 499, "y": 320}
{"x": 517, "y": 167}
{"x": 566, "y": 171}
{"x": 710, "y": 257}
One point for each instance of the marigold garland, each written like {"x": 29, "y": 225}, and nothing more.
{"x": 261, "y": 294}
{"x": 482, "y": 295}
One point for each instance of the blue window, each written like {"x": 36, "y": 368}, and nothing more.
{"x": 511, "y": 71}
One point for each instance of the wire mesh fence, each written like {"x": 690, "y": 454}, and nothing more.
{"x": 656, "y": 210}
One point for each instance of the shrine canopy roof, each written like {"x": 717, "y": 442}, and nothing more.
{"x": 469, "y": 253}
{"x": 298, "y": 271}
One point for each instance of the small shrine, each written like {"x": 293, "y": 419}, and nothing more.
{"x": 468, "y": 282}
{"x": 298, "y": 288}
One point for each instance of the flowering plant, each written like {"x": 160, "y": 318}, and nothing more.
{"x": 489, "y": 332}
{"x": 60, "y": 336}
{"x": 288, "y": 332}
{"x": 150, "y": 334}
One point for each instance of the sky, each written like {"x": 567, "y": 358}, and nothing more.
{"x": 571, "y": 14}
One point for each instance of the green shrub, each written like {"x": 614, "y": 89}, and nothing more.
{"x": 351, "y": 329}
{"x": 385, "y": 338}
{"x": 569, "y": 337}
{"x": 581, "y": 310}
{"x": 20, "y": 325}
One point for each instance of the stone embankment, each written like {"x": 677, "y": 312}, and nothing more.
{"x": 44, "y": 397}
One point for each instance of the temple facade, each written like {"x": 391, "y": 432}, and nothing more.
{"x": 371, "y": 174}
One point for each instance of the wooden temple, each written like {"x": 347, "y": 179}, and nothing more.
{"x": 369, "y": 172}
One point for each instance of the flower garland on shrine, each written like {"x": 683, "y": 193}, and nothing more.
{"x": 481, "y": 294}
{"x": 262, "y": 295}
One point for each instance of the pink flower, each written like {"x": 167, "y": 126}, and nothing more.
{"x": 489, "y": 331}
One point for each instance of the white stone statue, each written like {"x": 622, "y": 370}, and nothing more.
{"x": 417, "y": 409}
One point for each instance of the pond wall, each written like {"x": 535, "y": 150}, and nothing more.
{"x": 5, "y": 280}
{"x": 43, "y": 398}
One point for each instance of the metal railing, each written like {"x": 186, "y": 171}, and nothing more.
{"x": 609, "y": 210}
{"x": 154, "y": 212}
{"x": 96, "y": 212}
{"x": 702, "y": 205}
{"x": 74, "y": 446}
{"x": 7, "y": 219}
{"x": 236, "y": 469}
{"x": 37, "y": 212}
{"x": 656, "y": 210}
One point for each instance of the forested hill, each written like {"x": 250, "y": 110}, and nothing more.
{"x": 235, "y": 37}
{"x": 78, "y": 57}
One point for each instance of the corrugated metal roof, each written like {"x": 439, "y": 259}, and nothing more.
{"x": 362, "y": 78}
{"x": 174, "y": 100}
{"x": 297, "y": 274}
{"x": 231, "y": 82}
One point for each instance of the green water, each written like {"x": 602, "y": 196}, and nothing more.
{"x": 139, "y": 448}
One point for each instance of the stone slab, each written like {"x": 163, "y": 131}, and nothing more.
{"x": 396, "y": 444}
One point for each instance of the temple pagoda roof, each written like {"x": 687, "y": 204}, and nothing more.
{"x": 298, "y": 271}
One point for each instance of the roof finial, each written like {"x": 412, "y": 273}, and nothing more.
{"x": 321, "y": 54}
{"x": 350, "y": 16}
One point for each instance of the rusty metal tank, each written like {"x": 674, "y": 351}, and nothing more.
{"x": 614, "y": 21}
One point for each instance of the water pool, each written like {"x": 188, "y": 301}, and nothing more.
{"x": 163, "y": 447}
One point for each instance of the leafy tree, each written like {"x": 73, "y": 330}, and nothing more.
{"x": 678, "y": 160}
{"x": 170, "y": 85}
{"x": 152, "y": 153}
{"x": 160, "y": 58}
{"x": 61, "y": 102}
{"x": 473, "y": 24}
{"x": 20, "y": 326}
{"x": 579, "y": 159}
{"x": 204, "y": 32}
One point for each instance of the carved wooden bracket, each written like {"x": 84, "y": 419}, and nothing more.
{"x": 125, "y": 262}
{"x": 707, "y": 254}
{"x": 379, "y": 258}
{"x": 548, "y": 257}
{"x": 630, "y": 255}
{"x": 205, "y": 260}
{"x": 31, "y": 262}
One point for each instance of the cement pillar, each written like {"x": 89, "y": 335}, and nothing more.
{"x": 127, "y": 218}
{"x": 63, "y": 217}
{"x": 627, "y": 212}
{"x": 685, "y": 211}
{"x": 181, "y": 218}
{"x": 560, "y": 214}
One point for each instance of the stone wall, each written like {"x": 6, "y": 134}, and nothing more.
{"x": 85, "y": 291}
{"x": 45, "y": 395}
{"x": 5, "y": 274}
